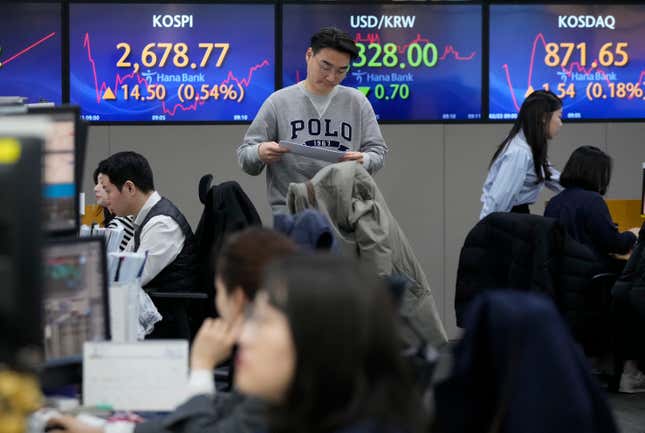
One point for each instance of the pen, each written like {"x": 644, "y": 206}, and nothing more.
{"x": 143, "y": 265}
{"x": 118, "y": 268}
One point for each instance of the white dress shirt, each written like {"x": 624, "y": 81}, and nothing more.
{"x": 161, "y": 237}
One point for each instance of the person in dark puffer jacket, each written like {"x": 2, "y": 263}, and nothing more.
{"x": 582, "y": 210}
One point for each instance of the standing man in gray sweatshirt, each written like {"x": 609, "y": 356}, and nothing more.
{"x": 316, "y": 112}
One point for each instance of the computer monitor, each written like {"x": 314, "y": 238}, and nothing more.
{"x": 20, "y": 247}
{"x": 75, "y": 297}
{"x": 31, "y": 50}
{"x": 63, "y": 160}
{"x": 205, "y": 69}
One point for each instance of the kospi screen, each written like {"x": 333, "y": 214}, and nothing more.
{"x": 591, "y": 56}
{"x": 171, "y": 62}
{"x": 416, "y": 62}
{"x": 30, "y": 51}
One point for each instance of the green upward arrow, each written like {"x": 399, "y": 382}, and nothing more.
{"x": 364, "y": 90}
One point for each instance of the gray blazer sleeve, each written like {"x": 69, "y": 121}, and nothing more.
{"x": 226, "y": 413}
{"x": 263, "y": 128}
{"x": 373, "y": 145}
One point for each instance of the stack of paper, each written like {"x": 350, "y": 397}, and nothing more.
{"x": 113, "y": 238}
{"x": 125, "y": 266}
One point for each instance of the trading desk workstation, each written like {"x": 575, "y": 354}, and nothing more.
{"x": 71, "y": 278}
{"x": 70, "y": 317}
{"x": 78, "y": 329}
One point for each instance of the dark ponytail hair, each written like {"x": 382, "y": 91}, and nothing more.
{"x": 533, "y": 119}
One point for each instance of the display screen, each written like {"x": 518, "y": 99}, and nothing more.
{"x": 171, "y": 62}
{"x": 75, "y": 297}
{"x": 59, "y": 180}
{"x": 416, "y": 62}
{"x": 591, "y": 56}
{"x": 30, "y": 51}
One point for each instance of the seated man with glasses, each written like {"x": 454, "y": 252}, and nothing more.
{"x": 317, "y": 111}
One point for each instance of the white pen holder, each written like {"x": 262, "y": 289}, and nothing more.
{"x": 124, "y": 310}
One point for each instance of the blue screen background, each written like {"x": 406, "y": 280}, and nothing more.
{"x": 96, "y": 29}
{"x": 36, "y": 73}
{"x": 516, "y": 30}
{"x": 451, "y": 90}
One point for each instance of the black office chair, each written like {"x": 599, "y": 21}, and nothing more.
{"x": 508, "y": 251}
{"x": 534, "y": 253}
{"x": 182, "y": 306}
{"x": 227, "y": 209}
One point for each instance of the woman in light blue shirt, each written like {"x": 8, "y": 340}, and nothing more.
{"x": 519, "y": 168}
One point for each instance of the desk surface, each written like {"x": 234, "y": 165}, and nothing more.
{"x": 625, "y": 213}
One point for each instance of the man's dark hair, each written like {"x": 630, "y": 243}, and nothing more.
{"x": 124, "y": 166}
{"x": 588, "y": 168}
{"x": 336, "y": 39}
{"x": 241, "y": 261}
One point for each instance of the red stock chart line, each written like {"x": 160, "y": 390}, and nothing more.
{"x": 448, "y": 49}
{"x": 567, "y": 70}
{"x": 120, "y": 79}
{"x": 27, "y": 49}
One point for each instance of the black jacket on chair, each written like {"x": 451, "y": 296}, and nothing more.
{"x": 531, "y": 253}
{"x": 507, "y": 250}
{"x": 227, "y": 209}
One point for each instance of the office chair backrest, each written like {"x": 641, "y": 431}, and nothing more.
{"x": 534, "y": 253}
{"x": 508, "y": 251}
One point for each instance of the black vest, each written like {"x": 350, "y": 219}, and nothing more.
{"x": 179, "y": 275}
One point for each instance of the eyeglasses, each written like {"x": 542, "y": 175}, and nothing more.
{"x": 327, "y": 68}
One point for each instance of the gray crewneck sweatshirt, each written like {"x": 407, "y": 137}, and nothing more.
{"x": 342, "y": 120}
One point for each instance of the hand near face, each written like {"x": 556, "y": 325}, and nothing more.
{"x": 353, "y": 156}
{"x": 270, "y": 151}
{"x": 213, "y": 343}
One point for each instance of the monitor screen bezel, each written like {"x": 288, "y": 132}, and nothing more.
{"x": 80, "y": 140}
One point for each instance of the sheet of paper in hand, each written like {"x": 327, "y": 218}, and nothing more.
{"x": 314, "y": 152}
